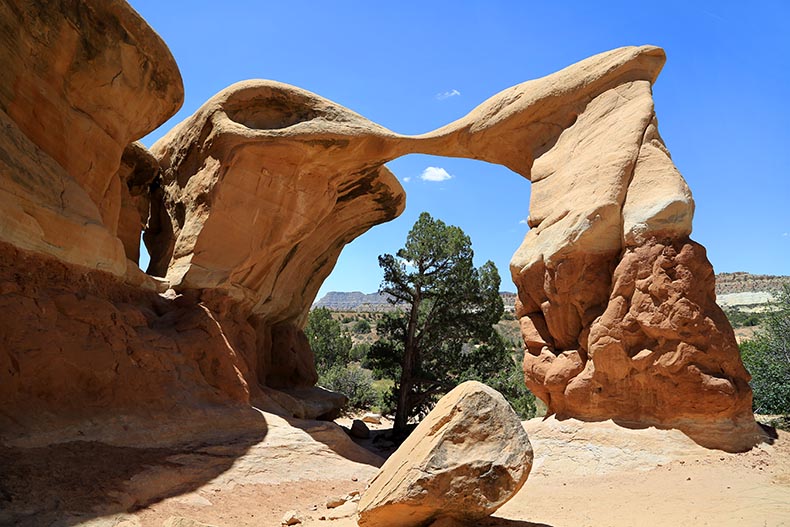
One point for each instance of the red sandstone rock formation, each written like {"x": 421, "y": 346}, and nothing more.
{"x": 616, "y": 303}
{"x": 261, "y": 189}
{"x": 83, "y": 355}
{"x": 247, "y": 204}
{"x": 81, "y": 80}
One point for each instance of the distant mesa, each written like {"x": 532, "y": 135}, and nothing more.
{"x": 748, "y": 292}
{"x": 742, "y": 282}
{"x": 354, "y": 301}
{"x": 373, "y": 302}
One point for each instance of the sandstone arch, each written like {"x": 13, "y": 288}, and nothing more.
{"x": 255, "y": 195}
{"x": 616, "y": 303}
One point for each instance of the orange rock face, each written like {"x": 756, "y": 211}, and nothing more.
{"x": 260, "y": 191}
{"x": 661, "y": 353}
{"x": 81, "y": 80}
{"x": 616, "y": 304}
{"x": 89, "y": 354}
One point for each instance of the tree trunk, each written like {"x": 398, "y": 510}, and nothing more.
{"x": 407, "y": 367}
{"x": 402, "y": 410}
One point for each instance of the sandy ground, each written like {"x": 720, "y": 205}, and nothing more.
{"x": 598, "y": 474}
{"x": 584, "y": 474}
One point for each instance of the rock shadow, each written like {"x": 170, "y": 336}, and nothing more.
{"x": 337, "y": 439}
{"x": 725, "y": 436}
{"x": 504, "y": 522}
{"x": 770, "y": 432}
{"x": 71, "y": 483}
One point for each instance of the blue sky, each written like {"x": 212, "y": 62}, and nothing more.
{"x": 722, "y": 100}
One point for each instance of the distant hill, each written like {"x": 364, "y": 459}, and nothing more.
{"x": 371, "y": 302}
{"x": 727, "y": 283}
{"x": 354, "y": 301}
{"x": 742, "y": 290}
{"x": 747, "y": 291}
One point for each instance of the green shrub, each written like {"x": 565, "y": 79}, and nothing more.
{"x": 503, "y": 373}
{"x": 353, "y": 381}
{"x": 767, "y": 357}
{"x": 740, "y": 319}
{"x": 361, "y": 327}
{"x": 385, "y": 400}
{"x": 330, "y": 343}
{"x": 359, "y": 353}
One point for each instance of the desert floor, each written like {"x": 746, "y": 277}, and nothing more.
{"x": 584, "y": 474}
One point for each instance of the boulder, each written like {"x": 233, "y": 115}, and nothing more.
{"x": 81, "y": 80}
{"x": 308, "y": 403}
{"x": 334, "y": 503}
{"x": 345, "y": 510}
{"x": 359, "y": 429}
{"x": 291, "y": 518}
{"x": 463, "y": 461}
{"x": 372, "y": 418}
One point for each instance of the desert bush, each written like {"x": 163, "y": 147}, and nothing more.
{"x": 741, "y": 319}
{"x": 353, "y": 381}
{"x": 331, "y": 345}
{"x": 499, "y": 366}
{"x": 361, "y": 327}
{"x": 384, "y": 403}
{"x": 767, "y": 357}
{"x": 359, "y": 353}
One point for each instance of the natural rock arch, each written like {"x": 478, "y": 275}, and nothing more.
{"x": 258, "y": 193}
{"x": 616, "y": 303}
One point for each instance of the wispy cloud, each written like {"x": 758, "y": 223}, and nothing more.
{"x": 407, "y": 179}
{"x": 447, "y": 94}
{"x": 785, "y": 234}
{"x": 435, "y": 174}
{"x": 714, "y": 15}
{"x": 524, "y": 222}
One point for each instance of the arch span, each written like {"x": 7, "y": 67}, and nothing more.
{"x": 616, "y": 303}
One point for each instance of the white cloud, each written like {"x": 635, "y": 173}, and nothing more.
{"x": 447, "y": 94}
{"x": 407, "y": 179}
{"x": 435, "y": 174}
{"x": 785, "y": 234}
{"x": 524, "y": 222}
